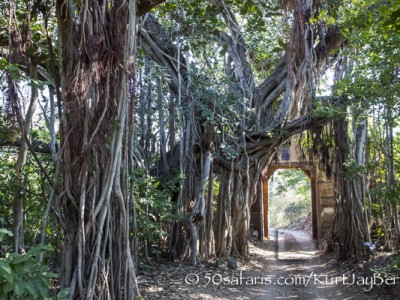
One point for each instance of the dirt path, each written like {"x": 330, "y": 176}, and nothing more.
{"x": 288, "y": 266}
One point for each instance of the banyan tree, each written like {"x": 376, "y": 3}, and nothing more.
{"x": 207, "y": 90}
{"x": 271, "y": 109}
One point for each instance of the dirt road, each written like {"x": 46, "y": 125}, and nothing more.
{"x": 288, "y": 266}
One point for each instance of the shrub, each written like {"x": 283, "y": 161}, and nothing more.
{"x": 22, "y": 276}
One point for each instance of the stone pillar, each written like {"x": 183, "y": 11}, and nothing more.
{"x": 256, "y": 213}
{"x": 314, "y": 208}
{"x": 265, "y": 202}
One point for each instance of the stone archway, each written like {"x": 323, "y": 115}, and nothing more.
{"x": 310, "y": 172}
{"x": 322, "y": 194}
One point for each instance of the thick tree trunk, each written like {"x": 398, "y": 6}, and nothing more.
{"x": 350, "y": 226}
{"x": 96, "y": 49}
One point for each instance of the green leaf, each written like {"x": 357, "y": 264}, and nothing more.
{"x": 50, "y": 275}
{"x": 7, "y": 288}
{"x": 170, "y": 6}
{"x": 17, "y": 290}
{"x": 6, "y": 272}
{"x": 41, "y": 248}
{"x": 20, "y": 259}
{"x": 42, "y": 287}
{"x": 63, "y": 294}
{"x": 43, "y": 292}
{"x": 3, "y": 232}
{"x": 41, "y": 85}
{"x": 3, "y": 63}
{"x": 30, "y": 289}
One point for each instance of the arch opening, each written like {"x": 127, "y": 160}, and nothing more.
{"x": 322, "y": 194}
{"x": 308, "y": 171}
{"x": 289, "y": 200}
{"x": 260, "y": 209}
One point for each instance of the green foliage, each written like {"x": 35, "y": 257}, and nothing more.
{"x": 394, "y": 264}
{"x": 215, "y": 103}
{"x": 289, "y": 198}
{"x": 371, "y": 91}
{"x": 7, "y": 163}
{"x": 4, "y": 232}
{"x": 17, "y": 74}
{"x": 22, "y": 276}
{"x": 390, "y": 270}
{"x": 389, "y": 194}
{"x": 228, "y": 152}
{"x": 374, "y": 37}
{"x": 296, "y": 210}
{"x": 264, "y": 27}
{"x": 63, "y": 294}
{"x": 352, "y": 169}
{"x": 380, "y": 232}
{"x": 327, "y": 110}
{"x": 33, "y": 190}
{"x": 153, "y": 206}
{"x": 293, "y": 179}
{"x": 8, "y": 131}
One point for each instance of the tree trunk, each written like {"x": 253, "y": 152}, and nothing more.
{"x": 18, "y": 207}
{"x": 394, "y": 233}
{"x": 350, "y": 226}
{"x": 96, "y": 51}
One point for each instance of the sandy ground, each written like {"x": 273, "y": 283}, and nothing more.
{"x": 287, "y": 266}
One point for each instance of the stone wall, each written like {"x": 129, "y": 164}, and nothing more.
{"x": 322, "y": 193}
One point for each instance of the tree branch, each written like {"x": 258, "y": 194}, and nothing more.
{"x": 158, "y": 45}
{"x": 144, "y": 6}
{"x": 37, "y": 146}
{"x": 262, "y": 139}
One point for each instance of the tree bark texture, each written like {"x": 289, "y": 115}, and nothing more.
{"x": 350, "y": 229}
{"x": 97, "y": 53}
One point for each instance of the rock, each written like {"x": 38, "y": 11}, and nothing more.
{"x": 232, "y": 263}
{"x": 255, "y": 234}
{"x": 221, "y": 264}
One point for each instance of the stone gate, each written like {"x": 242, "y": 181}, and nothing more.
{"x": 322, "y": 193}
